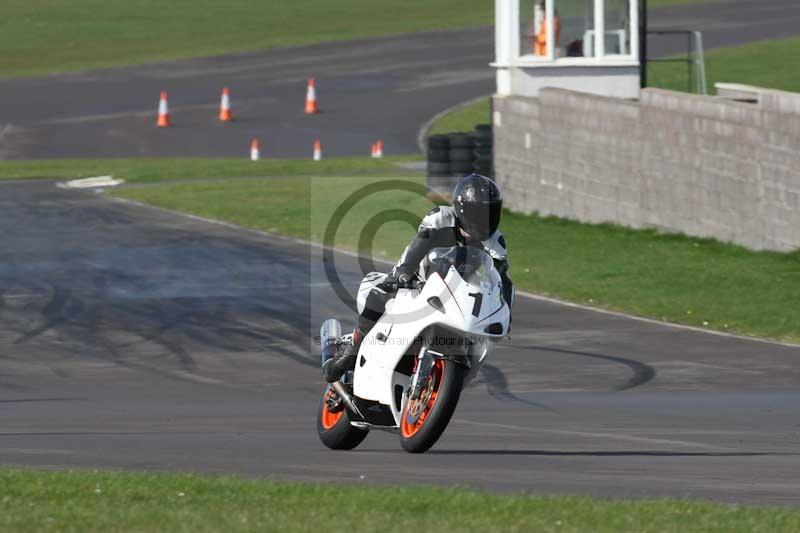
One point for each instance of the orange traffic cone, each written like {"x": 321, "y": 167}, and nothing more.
{"x": 311, "y": 98}
{"x": 255, "y": 153}
{"x": 377, "y": 149}
{"x": 225, "y": 114}
{"x": 317, "y": 151}
{"x": 163, "y": 111}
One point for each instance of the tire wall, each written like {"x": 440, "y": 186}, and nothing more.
{"x": 454, "y": 155}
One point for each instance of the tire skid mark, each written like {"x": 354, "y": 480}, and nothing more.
{"x": 13, "y": 386}
{"x": 642, "y": 372}
{"x": 53, "y": 313}
{"x": 118, "y": 301}
{"x": 43, "y": 400}
{"x": 102, "y": 331}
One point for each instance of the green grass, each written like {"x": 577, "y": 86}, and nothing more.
{"x": 464, "y": 118}
{"x": 156, "y": 169}
{"x": 762, "y": 63}
{"x": 108, "y": 501}
{"x": 55, "y": 35}
{"x": 46, "y": 36}
{"x": 679, "y": 279}
{"x": 651, "y": 4}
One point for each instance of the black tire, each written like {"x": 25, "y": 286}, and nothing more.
{"x": 461, "y": 154}
{"x": 448, "y": 391}
{"x": 443, "y": 184}
{"x": 438, "y": 169}
{"x": 339, "y": 435}
{"x": 438, "y": 155}
{"x": 461, "y": 167}
{"x": 483, "y": 151}
{"x": 460, "y": 140}
{"x": 439, "y": 142}
{"x": 480, "y": 138}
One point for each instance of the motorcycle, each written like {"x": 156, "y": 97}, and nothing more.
{"x": 429, "y": 344}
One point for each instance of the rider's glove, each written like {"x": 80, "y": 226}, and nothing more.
{"x": 399, "y": 278}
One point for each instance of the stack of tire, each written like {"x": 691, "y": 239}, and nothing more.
{"x": 482, "y": 143}
{"x": 461, "y": 153}
{"x": 455, "y": 155}
{"x": 439, "y": 175}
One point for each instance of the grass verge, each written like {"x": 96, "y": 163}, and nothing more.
{"x": 56, "y": 36}
{"x": 49, "y": 36}
{"x": 674, "y": 278}
{"x": 112, "y": 501}
{"x": 156, "y": 169}
{"x": 463, "y": 118}
{"x": 761, "y": 63}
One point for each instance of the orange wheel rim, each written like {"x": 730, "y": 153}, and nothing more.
{"x": 422, "y": 407}
{"x": 330, "y": 418}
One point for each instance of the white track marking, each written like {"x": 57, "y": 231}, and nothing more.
{"x": 80, "y": 119}
{"x": 203, "y": 380}
{"x": 34, "y": 451}
{"x": 91, "y": 183}
{"x": 22, "y": 296}
{"x": 653, "y": 321}
{"x": 595, "y": 435}
{"x": 450, "y": 78}
{"x": 680, "y": 365}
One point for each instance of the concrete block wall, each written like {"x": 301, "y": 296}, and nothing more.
{"x": 699, "y": 165}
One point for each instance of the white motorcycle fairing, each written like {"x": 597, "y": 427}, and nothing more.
{"x": 471, "y": 312}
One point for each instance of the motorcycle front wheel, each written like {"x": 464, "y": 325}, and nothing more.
{"x": 424, "y": 420}
{"x": 333, "y": 424}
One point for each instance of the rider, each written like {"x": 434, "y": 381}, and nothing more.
{"x": 471, "y": 221}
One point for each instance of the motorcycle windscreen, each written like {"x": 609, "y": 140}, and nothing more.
{"x": 473, "y": 264}
{"x": 475, "y": 284}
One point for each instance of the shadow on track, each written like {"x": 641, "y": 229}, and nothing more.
{"x": 497, "y": 387}
{"x": 497, "y": 384}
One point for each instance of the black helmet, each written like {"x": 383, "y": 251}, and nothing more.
{"x": 478, "y": 204}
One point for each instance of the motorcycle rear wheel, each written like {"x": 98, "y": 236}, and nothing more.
{"x": 424, "y": 420}
{"x": 333, "y": 426}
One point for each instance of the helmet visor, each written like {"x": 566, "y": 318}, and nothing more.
{"x": 480, "y": 220}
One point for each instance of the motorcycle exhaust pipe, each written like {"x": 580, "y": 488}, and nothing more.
{"x": 338, "y": 386}
{"x": 329, "y": 335}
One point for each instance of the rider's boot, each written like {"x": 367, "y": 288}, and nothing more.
{"x": 335, "y": 367}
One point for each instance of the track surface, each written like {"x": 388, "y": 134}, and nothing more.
{"x": 375, "y": 88}
{"x": 135, "y": 338}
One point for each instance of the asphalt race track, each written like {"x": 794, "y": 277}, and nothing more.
{"x": 134, "y": 338}
{"x": 374, "y": 88}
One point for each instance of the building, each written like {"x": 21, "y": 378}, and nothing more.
{"x": 585, "y": 45}
{"x": 576, "y": 137}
